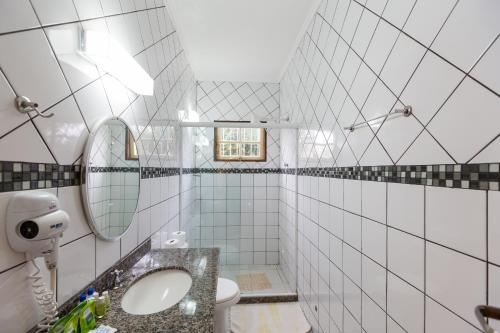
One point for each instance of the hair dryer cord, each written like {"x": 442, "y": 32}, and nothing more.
{"x": 45, "y": 299}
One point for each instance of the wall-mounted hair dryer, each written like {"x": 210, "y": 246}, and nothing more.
{"x": 34, "y": 224}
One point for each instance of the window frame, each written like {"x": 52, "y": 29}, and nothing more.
{"x": 217, "y": 142}
{"x": 131, "y": 152}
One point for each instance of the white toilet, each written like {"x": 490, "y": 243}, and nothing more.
{"x": 228, "y": 294}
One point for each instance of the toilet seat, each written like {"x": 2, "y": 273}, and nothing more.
{"x": 227, "y": 292}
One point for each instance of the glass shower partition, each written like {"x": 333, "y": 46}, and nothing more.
{"x": 249, "y": 213}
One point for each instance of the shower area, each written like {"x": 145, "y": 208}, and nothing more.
{"x": 242, "y": 209}
{"x": 236, "y": 195}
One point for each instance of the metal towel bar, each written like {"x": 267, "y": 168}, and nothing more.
{"x": 406, "y": 111}
{"x": 485, "y": 311}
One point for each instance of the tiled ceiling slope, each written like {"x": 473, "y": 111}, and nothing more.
{"x": 362, "y": 59}
{"x": 238, "y": 101}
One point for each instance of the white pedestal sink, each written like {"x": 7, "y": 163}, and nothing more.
{"x": 156, "y": 292}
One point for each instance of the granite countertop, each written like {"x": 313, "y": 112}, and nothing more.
{"x": 194, "y": 313}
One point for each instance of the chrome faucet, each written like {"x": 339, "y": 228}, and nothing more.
{"x": 117, "y": 282}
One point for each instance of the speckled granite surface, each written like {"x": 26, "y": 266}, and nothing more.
{"x": 254, "y": 299}
{"x": 194, "y": 313}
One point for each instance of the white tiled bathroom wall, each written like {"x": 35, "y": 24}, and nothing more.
{"x": 237, "y": 101}
{"x": 385, "y": 257}
{"x": 237, "y": 212}
{"x": 38, "y": 58}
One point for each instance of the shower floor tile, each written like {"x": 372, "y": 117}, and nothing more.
{"x": 257, "y": 279}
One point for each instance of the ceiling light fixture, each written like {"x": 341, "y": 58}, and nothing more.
{"x": 108, "y": 55}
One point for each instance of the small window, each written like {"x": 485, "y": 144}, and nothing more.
{"x": 130, "y": 147}
{"x": 240, "y": 144}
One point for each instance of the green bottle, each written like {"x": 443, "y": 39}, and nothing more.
{"x": 87, "y": 316}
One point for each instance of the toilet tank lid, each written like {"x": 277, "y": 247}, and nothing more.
{"x": 226, "y": 290}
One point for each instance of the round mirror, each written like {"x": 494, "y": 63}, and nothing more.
{"x": 110, "y": 179}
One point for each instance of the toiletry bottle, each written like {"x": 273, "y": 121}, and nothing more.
{"x": 107, "y": 300}
{"x": 91, "y": 296}
{"x": 87, "y": 316}
{"x": 90, "y": 292}
{"x": 83, "y": 298}
{"x": 100, "y": 307}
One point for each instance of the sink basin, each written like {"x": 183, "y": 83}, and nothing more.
{"x": 156, "y": 292}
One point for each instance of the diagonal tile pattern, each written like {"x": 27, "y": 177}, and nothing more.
{"x": 236, "y": 101}
{"x": 389, "y": 257}
{"x": 357, "y": 62}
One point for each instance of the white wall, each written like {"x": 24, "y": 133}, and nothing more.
{"x": 41, "y": 63}
{"x": 237, "y": 210}
{"x": 377, "y": 256}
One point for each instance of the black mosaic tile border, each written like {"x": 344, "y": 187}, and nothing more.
{"x": 484, "y": 176}
{"x": 231, "y": 170}
{"x": 114, "y": 169}
{"x": 20, "y": 176}
{"x": 152, "y": 172}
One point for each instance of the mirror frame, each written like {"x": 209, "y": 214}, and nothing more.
{"x": 84, "y": 179}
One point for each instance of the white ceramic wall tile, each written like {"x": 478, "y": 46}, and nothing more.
{"x": 405, "y": 208}
{"x": 107, "y": 254}
{"x": 455, "y": 280}
{"x": 475, "y": 131}
{"x": 393, "y": 327}
{"x": 494, "y": 291}
{"x": 17, "y": 15}
{"x": 380, "y": 46}
{"x": 374, "y": 242}
{"x": 71, "y": 202}
{"x": 55, "y": 11}
{"x": 111, "y": 7}
{"x": 374, "y": 200}
{"x": 457, "y": 218}
{"x": 438, "y": 318}
{"x": 93, "y": 103}
{"x": 494, "y": 227}
{"x": 76, "y": 267}
{"x": 17, "y": 289}
{"x": 352, "y": 264}
{"x": 65, "y": 129}
{"x": 352, "y": 196}
{"x": 374, "y": 318}
{"x": 352, "y": 298}
{"x": 427, "y": 18}
{"x": 35, "y": 149}
{"x": 424, "y": 93}
{"x": 352, "y": 230}
{"x": 425, "y": 150}
{"x": 9, "y": 117}
{"x": 405, "y": 257}
{"x": 487, "y": 67}
{"x": 405, "y": 304}
{"x": 87, "y": 9}
{"x": 470, "y": 28}
{"x": 401, "y": 63}
{"x": 374, "y": 281}
{"x": 40, "y": 63}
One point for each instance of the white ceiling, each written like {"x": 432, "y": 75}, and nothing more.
{"x": 240, "y": 40}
